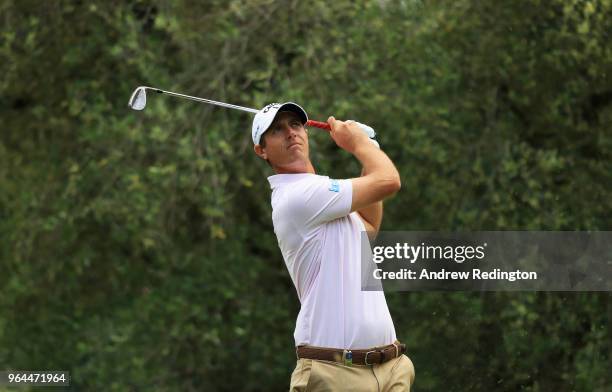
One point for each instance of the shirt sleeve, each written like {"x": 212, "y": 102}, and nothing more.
{"x": 321, "y": 200}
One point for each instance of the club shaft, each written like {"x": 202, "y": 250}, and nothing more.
{"x": 210, "y": 101}
{"x": 312, "y": 123}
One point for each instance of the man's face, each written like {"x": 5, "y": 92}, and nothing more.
{"x": 286, "y": 144}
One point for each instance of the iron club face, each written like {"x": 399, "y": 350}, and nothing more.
{"x": 138, "y": 100}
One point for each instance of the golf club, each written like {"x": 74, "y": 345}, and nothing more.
{"x": 138, "y": 101}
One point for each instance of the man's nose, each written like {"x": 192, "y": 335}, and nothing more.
{"x": 290, "y": 132}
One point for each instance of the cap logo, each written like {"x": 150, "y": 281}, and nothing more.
{"x": 274, "y": 105}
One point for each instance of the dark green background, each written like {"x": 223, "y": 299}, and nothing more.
{"x": 137, "y": 248}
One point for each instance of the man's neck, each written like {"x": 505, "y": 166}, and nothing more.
{"x": 297, "y": 169}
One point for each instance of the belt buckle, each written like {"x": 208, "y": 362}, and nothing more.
{"x": 366, "y": 357}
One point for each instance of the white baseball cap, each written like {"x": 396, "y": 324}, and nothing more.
{"x": 264, "y": 117}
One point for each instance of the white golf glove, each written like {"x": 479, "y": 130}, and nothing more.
{"x": 370, "y": 132}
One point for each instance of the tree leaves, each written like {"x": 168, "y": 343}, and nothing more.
{"x": 148, "y": 236}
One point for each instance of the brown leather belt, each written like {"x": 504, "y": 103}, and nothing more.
{"x": 371, "y": 356}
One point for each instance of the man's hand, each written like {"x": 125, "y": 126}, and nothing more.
{"x": 370, "y": 132}
{"x": 348, "y": 135}
{"x": 367, "y": 129}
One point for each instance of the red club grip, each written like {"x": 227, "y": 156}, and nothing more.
{"x": 318, "y": 124}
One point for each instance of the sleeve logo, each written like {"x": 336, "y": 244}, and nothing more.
{"x": 334, "y": 186}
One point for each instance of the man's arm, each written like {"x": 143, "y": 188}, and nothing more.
{"x": 381, "y": 178}
{"x": 371, "y": 215}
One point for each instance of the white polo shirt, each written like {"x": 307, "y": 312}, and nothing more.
{"x": 320, "y": 241}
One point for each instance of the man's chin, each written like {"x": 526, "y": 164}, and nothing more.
{"x": 297, "y": 153}
{"x": 299, "y": 165}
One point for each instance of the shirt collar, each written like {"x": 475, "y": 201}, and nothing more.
{"x": 280, "y": 179}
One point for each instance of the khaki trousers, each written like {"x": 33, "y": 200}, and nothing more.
{"x": 396, "y": 375}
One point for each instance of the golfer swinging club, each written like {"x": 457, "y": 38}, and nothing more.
{"x": 344, "y": 337}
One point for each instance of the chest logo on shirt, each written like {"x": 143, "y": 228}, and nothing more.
{"x": 334, "y": 186}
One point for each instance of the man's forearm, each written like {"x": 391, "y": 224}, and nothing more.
{"x": 381, "y": 178}
{"x": 372, "y": 213}
{"x": 375, "y": 162}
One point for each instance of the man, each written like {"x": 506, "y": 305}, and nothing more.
{"x": 344, "y": 337}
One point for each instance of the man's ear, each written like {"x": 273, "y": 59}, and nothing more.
{"x": 260, "y": 151}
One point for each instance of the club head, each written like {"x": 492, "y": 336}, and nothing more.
{"x": 138, "y": 100}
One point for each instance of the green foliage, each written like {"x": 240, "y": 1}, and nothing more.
{"x": 137, "y": 249}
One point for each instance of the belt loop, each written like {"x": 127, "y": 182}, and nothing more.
{"x": 396, "y": 350}
{"x": 296, "y": 353}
